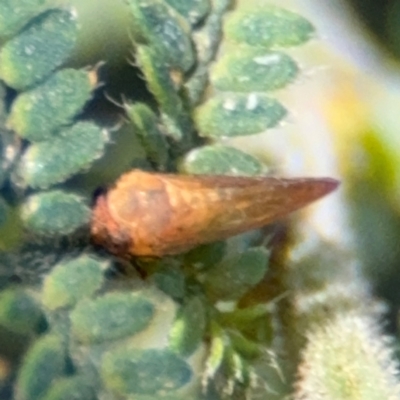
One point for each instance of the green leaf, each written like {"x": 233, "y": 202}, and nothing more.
{"x": 236, "y": 274}
{"x": 193, "y": 10}
{"x": 54, "y": 161}
{"x": 188, "y": 329}
{"x": 40, "y": 48}
{"x": 207, "y": 41}
{"x": 4, "y": 210}
{"x": 14, "y": 14}
{"x": 165, "y": 91}
{"x": 205, "y": 256}
{"x": 111, "y": 317}
{"x": 146, "y": 126}
{"x": 170, "y": 278}
{"x": 220, "y": 160}
{"x": 9, "y": 148}
{"x": 229, "y": 115}
{"x": 196, "y": 85}
{"x": 74, "y": 388}
{"x": 134, "y": 371}
{"x": 267, "y": 26}
{"x": 54, "y": 213}
{"x": 38, "y": 114}
{"x": 254, "y": 322}
{"x": 160, "y": 26}
{"x": 251, "y": 69}
{"x": 216, "y": 352}
{"x": 19, "y": 312}
{"x": 44, "y": 363}
{"x": 72, "y": 281}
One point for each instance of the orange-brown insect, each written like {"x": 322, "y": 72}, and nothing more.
{"x": 152, "y": 214}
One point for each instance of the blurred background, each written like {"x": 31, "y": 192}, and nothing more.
{"x": 354, "y": 105}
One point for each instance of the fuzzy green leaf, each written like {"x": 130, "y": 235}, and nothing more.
{"x": 170, "y": 279}
{"x": 216, "y": 352}
{"x": 193, "y": 10}
{"x": 19, "y": 312}
{"x": 220, "y": 160}
{"x": 235, "y": 275}
{"x": 44, "y": 363}
{"x": 249, "y": 69}
{"x": 14, "y": 14}
{"x": 147, "y": 129}
{"x": 72, "y": 281}
{"x": 37, "y": 114}
{"x": 9, "y": 149}
{"x": 113, "y": 316}
{"x": 152, "y": 372}
{"x": 207, "y": 41}
{"x": 4, "y": 209}
{"x": 267, "y": 26}
{"x": 231, "y": 115}
{"x": 189, "y": 327}
{"x": 40, "y": 48}
{"x": 54, "y": 213}
{"x": 54, "y": 161}
{"x": 165, "y": 90}
{"x": 160, "y": 26}
{"x": 206, "y": 255}
{"x": 75, "y": 388}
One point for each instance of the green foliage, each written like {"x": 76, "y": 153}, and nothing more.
{"x": 19, "y": 312}
{"x": 116, "y": 330}
{"x": 165, "y": 90}
{"x": 216, "y": 354}
{"x": 9, "y": 150}
{"x": 192, "y": 326}
{"x": 192, "y": 11}
{"x": 189, "y": 327}
{"x": 3, "y": 212}
{"x": 245, "y": 70}
{"x": 207, "y": 41}
{"x": 38, "y": 113}
{"x": 236, "y": 274}
{"x": 110, "y": 317}
{"x": 165, "y": 31}
{"x": 228, "y": 115}
{"x": 220, "y": 160}
{"x": 206, "y": 256}
{"x": 133, "y": 371}
{"x": 72, "y": 281}
{"x": 73, "y": 150}
{"x": 253, "y": 69}
{"x": 41, "y": 47}
{"x": 146, "y": 127}
{"x": 13, "y": 18}
{"x": 74, "y": 388}
{"x": 170, "y": 279}
{"x": 43, "y": 364}
{"x": 54, "y": 213}
{"x": 43, "y": 111}
{"x": 268, "y": 27}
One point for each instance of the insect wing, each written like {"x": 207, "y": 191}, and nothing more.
{"x": 159, "y": 214}
{"x": 232, "y": 205}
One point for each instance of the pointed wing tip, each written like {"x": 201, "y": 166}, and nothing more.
{"x": 328, "y": 185}
{"x": 324, "y": 186}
